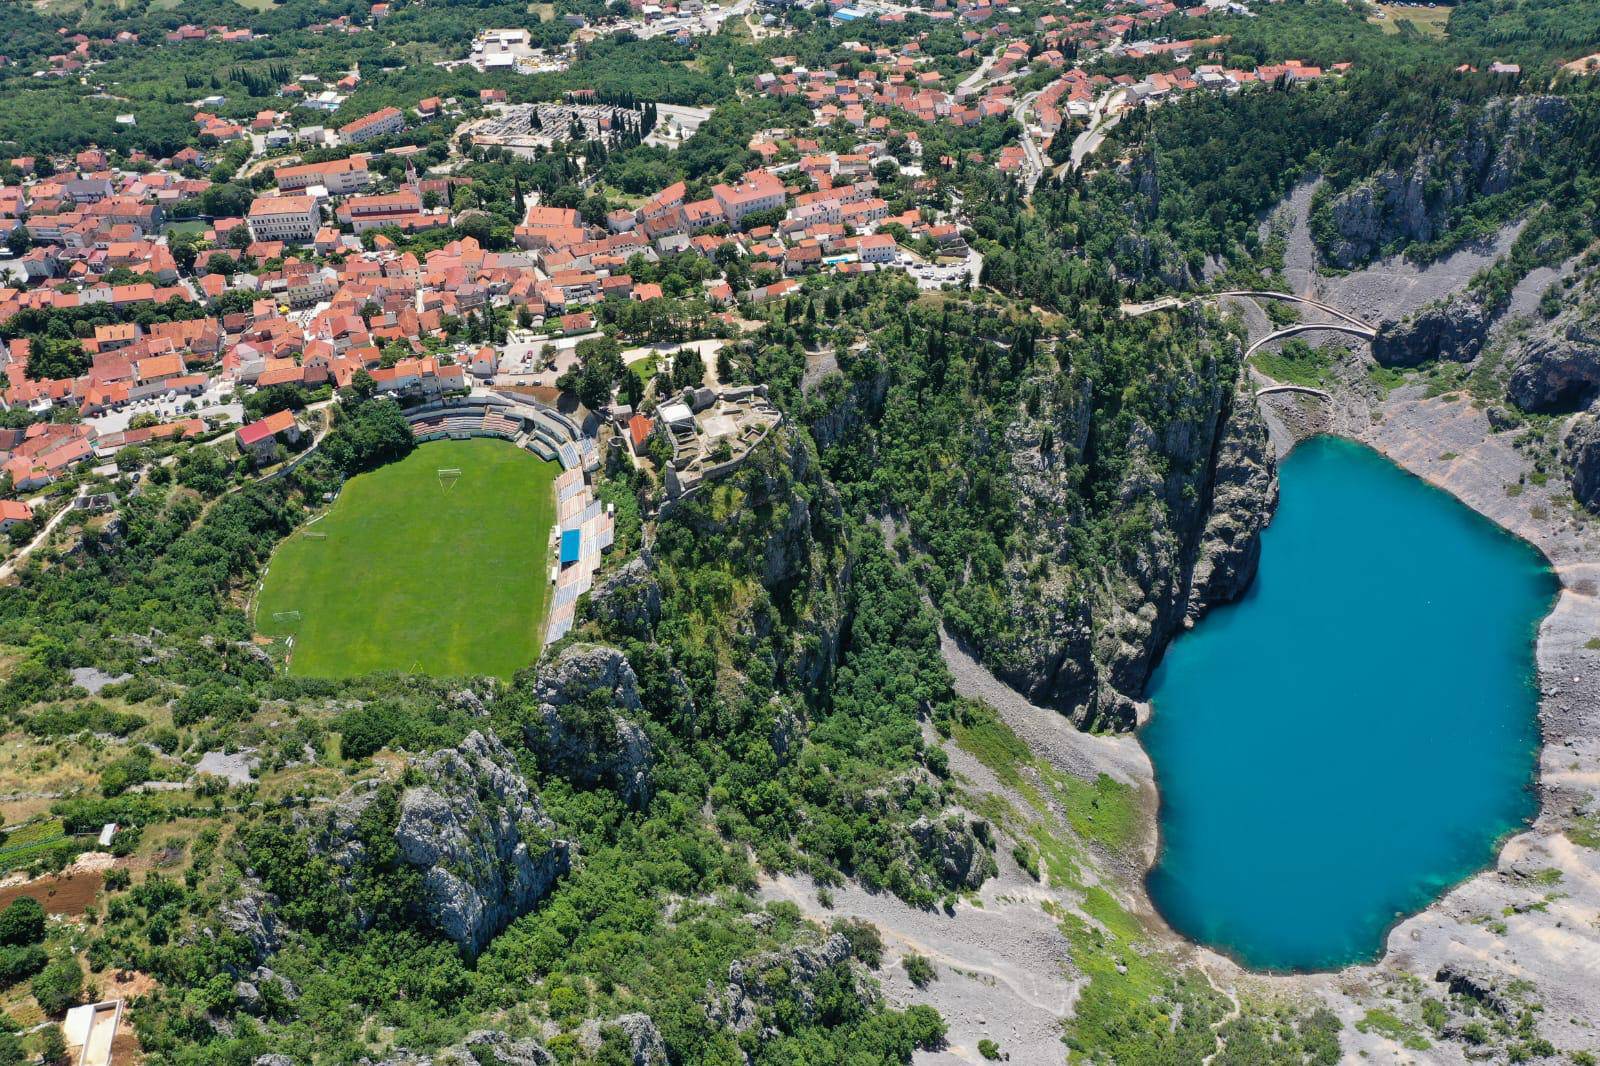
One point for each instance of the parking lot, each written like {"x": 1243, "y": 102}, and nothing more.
{"x": 931, "y": 275}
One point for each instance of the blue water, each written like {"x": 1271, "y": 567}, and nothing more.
{"x": 1357, "y": 733}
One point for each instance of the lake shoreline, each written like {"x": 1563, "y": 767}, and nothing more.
{"x": 1496, "y": 924}
{"x": 1530, "y": 790}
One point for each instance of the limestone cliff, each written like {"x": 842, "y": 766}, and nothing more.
{"x": 1454, "y": 329}
{"x": 1583, "y": 461}
{"x": 586, "y": 722}
{"x": 468, "y": 823}
{"x": 1558, "y": 363}
{"x": 485, "y": 847}
{"x": 1192, "y": 500}
{"x": 1475, "y": 153}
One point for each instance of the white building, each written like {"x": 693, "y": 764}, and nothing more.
{"x": 284, "y": 218}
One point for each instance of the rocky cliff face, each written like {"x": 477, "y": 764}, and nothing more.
{"x": 1558, "y": 364}
{"x": 1583, "y": 461}
{"x": 480, "y": 838}
{"x": 1394, "y": 208}
{"x": 483, "y": 842}
{"x": 586, "y": 723}
{"x": 784, "y": 530}
{"x": 1454, "y": 328}
{"x": 1244, "y": 493}
{"x": 755, "y": 986}
{"x": 1195, "y": 496}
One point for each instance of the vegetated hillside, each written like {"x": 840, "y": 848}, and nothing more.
{"x": 564, "y": 863}
{"x": 1056, "y": 493}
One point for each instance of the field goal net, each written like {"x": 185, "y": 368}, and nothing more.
{"x": 286, "y": 617}
{"x": 312, "y": 535}
{"x": 448, "y": 476}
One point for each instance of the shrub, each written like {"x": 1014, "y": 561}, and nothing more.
{"x": 864, "y": 940}
{"x": 58, "y": 986}
{"x": 920, "y": 970}
{"x": 989, "y": 1049}
{"x": 22, "y": 922}
{"x": 19, "y": 962}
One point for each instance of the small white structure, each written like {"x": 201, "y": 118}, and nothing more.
{"x": 91, "y": 1028}
{"x": 675, "y": 413}
{"x": 107, "y": 831}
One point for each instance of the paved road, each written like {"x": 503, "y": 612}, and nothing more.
{"x": 1103, "y": 118}
{"x": 1033, "y": 169}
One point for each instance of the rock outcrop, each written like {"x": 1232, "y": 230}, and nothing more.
{"x": 957, "y": 845}
{"x": 482, "y": 841}
{"x": 1558, "y": 368}
{"x": 1414, "y": 203}
{"x": 1583, "y": 461}
{"x": 1453, "y": 329}
{"x": 641, "y": 1040}
{"x": 480, "y": 838}
{"x": 757, "y": 984}
{"x": 1200, "y": 479}
{"x": 628, "y": 599}
{"x": 251, "y": 915}
{"x": 585, "y": 723}
{"x": 944, "y": 846}
{"x": 484, "y": 1047}
{"x": 1244, "y": 493}
{"x": 255, "y": 990}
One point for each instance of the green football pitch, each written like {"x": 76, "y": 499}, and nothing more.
{"x": 422, "y": 572}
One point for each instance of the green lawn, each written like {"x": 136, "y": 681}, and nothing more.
{"x": 414, "y": 576}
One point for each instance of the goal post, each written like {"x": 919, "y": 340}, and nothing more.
{"x": 448, "y": 476}
{"x": 316, "y": 535}
{"x": 286, "y": 616}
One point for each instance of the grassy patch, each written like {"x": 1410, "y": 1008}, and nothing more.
{"x": 412, "y": 575}
{"x": 1428, "y": 21}
{"x": 1385, "y": 379}
{"x": 1296, "y": 364}
{"x": 1585, "y": 831}
{"x": 1394, "y": 1027}
{"x": 990, "y": 741}
{"x": 645, "y": 369}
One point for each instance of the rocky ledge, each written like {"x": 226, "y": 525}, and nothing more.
{"x": 1454, "y": 328}
{"x": 1086, "y": 644}
{"x": 585, "y": 722}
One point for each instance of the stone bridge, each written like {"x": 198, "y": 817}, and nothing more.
{"x": 1364, "y": 332}
{"x": 1288, "y": 297}
{"x": 1304, "y": 390}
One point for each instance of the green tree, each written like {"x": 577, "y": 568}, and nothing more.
{"x": 58, "y": 986}
{"x": 22, "y": 922}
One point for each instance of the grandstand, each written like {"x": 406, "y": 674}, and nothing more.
{"x": 583, "y": 521}
{"x": 547, "y": 433}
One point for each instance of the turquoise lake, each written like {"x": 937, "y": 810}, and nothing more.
{"x": 1356, "y": 734}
